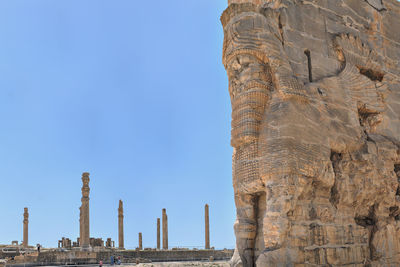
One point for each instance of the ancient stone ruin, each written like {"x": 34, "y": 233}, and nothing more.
{"x": 140, "y": 242}
{"x": 315, "y": 92}
{"x": 165, "y": 229}
{"x": 207, "y": 226}
{"x": 158, "y": 233}
{"x": 121, "y": 225}
{"x": 84, "y": 215}
{"x": 25, "y": 234}
{"x": 90, "y": 250}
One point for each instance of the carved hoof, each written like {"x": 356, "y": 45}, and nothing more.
{"x": 236, "y": 261}
{"x": 282, "y": 257}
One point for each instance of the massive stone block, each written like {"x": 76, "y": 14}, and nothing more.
{"x": 315, "y": 93}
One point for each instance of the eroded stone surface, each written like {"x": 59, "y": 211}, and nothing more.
{"x": 315, "y": 92}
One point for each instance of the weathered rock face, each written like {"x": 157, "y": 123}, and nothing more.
{"x": 315, "y": 91}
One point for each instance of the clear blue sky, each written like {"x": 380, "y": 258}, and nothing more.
{"x": 133, "y": 92}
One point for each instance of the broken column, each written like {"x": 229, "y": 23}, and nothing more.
{"x": 158, "y": 233}
{"x": 140, "y": 242}
{"x": 165, "y": 228}
{"x": 26, "y": 221}
{"x": 85, "y": 230}
{"x": 109, "y": 243}
{"x": 120, "y": 225}
{"x": 207, "y": 225}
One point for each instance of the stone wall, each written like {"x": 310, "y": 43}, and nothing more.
{"x": 315, "y": 92}
{"x": 127, "y": 256}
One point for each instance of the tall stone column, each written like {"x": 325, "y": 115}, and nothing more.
{"x": 85, "y": 239}
{"x": 207, "y": 225}
{"x": 140, "y": 242}
{"x": 165, "y": 228}
{"x": 158, "y": 233}
{"x": 80, "y": 226}
{"x": 120, "y": 225}
{"x": 26, "y": 221}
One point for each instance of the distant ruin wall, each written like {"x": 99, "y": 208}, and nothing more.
{"x": 315, "y": 93}
{"x": 50, "y": 258}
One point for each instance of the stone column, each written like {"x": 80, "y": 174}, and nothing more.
{"x": 120, "y": 225}
{"x": 158, "y": 233}
{"x": 207, "y": 224}
{"x": 80, "y": 226}
{"x": 165, "y": 228}
{"x": 85, "y": 239}
{"x": 26, "y": 221}
{"x": 140, "y": 242}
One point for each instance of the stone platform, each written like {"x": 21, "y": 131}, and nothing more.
{"x": 185, "y": 264}
{"x": 56, "y": 258}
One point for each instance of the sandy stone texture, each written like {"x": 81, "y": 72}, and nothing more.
{"x": 315, "y": 93}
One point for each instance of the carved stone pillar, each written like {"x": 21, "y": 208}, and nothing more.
{"x": 140, "y": 242}
{"x": 207, "y": 226}
{"x": 165, "y": 228}
{"x": 80, "y": 226}
{"x": 26, "y": 221}
{"x": 85, "y": 229}
{"x": 121, "y": 225}
{"x": 158, "y": 233}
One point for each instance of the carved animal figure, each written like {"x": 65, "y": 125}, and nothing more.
{"x": 315, "y": 93}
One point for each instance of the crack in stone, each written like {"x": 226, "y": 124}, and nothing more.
{"x": 369, "y": 222}
{"x": 309, "y": 65}
{"x": 335, "y": 159}
{"x": 377, "y": 4}
{"x": 281, "y": 30}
